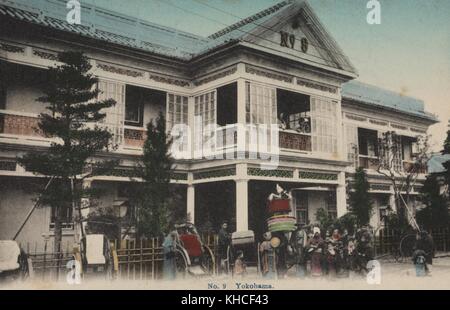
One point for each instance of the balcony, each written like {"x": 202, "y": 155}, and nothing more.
{"x": 134, "y": 137}
{"x": 19, "y": 124}
{"x": 291, "y": 140}
{"x": 368, "y": 162}
{"x": 413, "y": 167}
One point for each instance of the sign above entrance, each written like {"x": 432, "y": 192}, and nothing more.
{"x": 288, "y": 40}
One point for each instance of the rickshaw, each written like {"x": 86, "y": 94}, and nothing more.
{"x": 95, "y": 255}
{"x": 192, "y": 255}
{"x": 13, "y": 261}
{"x": 242, "y": 241}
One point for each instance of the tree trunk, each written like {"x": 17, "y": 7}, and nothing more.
{"x": 57, "y": 239}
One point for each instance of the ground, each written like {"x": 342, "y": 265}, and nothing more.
{"x": 393, "y": 276}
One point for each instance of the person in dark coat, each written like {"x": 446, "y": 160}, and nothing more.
{"x": 424, "y": 242}
{"x": 223, "y": 244}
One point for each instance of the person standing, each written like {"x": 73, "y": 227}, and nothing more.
{"x": 267, "y": 257}
{"x": 424, "y": 242}
{"x": 316, "y": 247}
{"x": 169, "y": 266}
{"x": 223, "y": 244}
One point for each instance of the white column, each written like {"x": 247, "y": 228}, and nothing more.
{"x": 241, "y": 197}
{"x": 341, "y": 195}
{"x": 241, "y": 205}
{"x": 241, "y": 98}
{"x": 191, "y": 203}
{"x": 190, "y": 199}
{"x": 392, "y": 201}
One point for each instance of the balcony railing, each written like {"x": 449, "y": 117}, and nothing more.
{"x": 295, "y": 141}
{"x": 134, "y": 137}
{"x": 411, "y": 166}
{"x": 368, "y": 162}
{"x": 19, "y": 124}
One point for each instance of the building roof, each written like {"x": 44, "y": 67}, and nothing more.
{"x": 114, "y": 27}
{"x": 376, "y": 96}
{"x": 117, "y": 28}
{"x": 436, "y": 161}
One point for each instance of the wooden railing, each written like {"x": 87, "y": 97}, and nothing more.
{"x": 368, "y": 162}
{"x": 21, "y": 124}
{"x": 295, "y": 141}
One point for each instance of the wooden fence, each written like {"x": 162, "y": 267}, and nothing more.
{"x": 398, "y": 243}
{"x": 46, "y": 264}
{"x": 143, "y": 259}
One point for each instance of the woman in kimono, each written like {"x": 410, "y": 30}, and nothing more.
{"x": 169, "y": 266}
{"x": 298, "y": 243}
{"x": 267, "y": 257}
{"x": 316, "y": 247}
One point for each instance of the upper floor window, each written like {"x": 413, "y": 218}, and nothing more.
{"x": 134, "y": 106}
{"x": 368, "y": 142}
{"x": 294, "y": 111}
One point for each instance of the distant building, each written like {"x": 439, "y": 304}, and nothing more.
{"x": 278, "y": 67}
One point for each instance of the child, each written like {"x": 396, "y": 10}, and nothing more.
{"x": 239, "y": 265}
{"x": 419, "y": 260}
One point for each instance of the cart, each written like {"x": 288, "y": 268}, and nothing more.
{"x": 95, "y": 255}
{"x": 192, "y": 256}
{"x": 13, "y": 261}
{"x": 242, "y": 241}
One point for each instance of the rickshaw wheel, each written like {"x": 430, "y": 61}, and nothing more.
{"x": 207, "y": 260}
{"x": 181, "y": 265}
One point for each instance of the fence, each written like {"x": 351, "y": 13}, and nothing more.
{"x": 46, "y": 264}
{"x": 389, "y": 241}
{"x": 143, "y": 259}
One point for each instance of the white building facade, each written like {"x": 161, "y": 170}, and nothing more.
{"x": 278, "y": 68}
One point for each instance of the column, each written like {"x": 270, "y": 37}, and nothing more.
{"x": 190, "y": 199}
{"x": 241, "y": 197}
{"x": 392, "y": 201}
{"x": 190, "y": 210}
{"x": 341, "y": 195}
{"x": 241, "y": 205}
{"x": 241, "y": 115}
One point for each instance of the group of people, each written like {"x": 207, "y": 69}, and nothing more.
{"x": 334, "y": 253}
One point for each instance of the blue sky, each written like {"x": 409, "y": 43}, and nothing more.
{"x": 409, "y": 52}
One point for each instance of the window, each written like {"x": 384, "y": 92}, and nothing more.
{"x": 134, "y": 106}
{"x": 324, "y": 127}
{"x": 293, "y": 111}
{"x": 409, "y": 146}
{"x": 205, "y": 120}
{"x": 260, "y": 104}
{"x": 177, "y": 110}
{"x": 301, "y": 207}
{"x": 66, "y": 216}
{"x": 227, "y": 104}
{"x": 115, "y": 114}
{"x": 332, "y": 205}
{"x": 368, "y": 142}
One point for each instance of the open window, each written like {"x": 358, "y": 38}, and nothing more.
{"x": 368, "y": 148}
{"x": 294, "y": 111}
{"x": 227, "y": 104}
{"x": 134, "y": 105}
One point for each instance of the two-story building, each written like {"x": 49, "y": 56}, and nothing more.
{"x": 279, "y": 68}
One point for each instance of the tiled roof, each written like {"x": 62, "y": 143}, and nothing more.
{"x": 117, "y": 28}
{"x": 105, "y": 25}
{"x": 436, "y": 161}
{"x": 369, "y": 94}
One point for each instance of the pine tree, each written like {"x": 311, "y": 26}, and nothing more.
{"x": 435, "y": 214}
{"x": 151, "y": 196}
{"x": 360, "y": 202}
{"x": 70, "y": 119}
{"x": 446, "y": 164}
